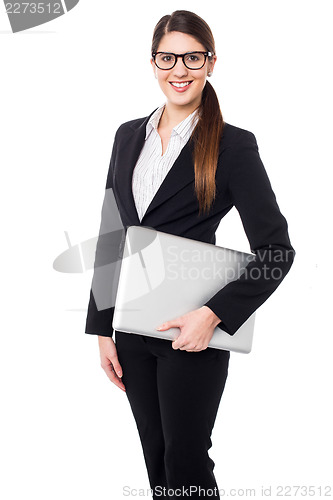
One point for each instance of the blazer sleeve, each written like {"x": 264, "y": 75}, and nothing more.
{"x": 267, "y": 231}
{"x": 99, "y": 321}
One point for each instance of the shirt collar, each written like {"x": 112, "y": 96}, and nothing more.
{"x": 181, "y": 129}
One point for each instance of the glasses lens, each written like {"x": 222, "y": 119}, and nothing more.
{"x": 165, "y": 60}
{"x": 194, "y": 60}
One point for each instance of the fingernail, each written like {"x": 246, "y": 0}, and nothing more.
{"x": 159, "y": 327}
{"x": 119, "y": 374}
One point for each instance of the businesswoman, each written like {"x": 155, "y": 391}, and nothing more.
{"x": 180, "y": 170}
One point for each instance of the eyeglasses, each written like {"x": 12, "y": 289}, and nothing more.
{"x": 192, "y": 60}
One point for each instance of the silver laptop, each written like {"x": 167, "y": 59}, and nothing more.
{"x": 163, "y": 276}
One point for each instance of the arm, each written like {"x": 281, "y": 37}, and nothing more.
{"x": 267, "y": 232}
{"x": 99, "y": 319}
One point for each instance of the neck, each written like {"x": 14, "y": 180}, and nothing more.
{"x": 173, "y": 114}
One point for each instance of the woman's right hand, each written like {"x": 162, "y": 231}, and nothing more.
{"x": 109, "y": 360}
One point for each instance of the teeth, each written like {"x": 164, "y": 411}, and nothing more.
{"x": 180, "y": 84}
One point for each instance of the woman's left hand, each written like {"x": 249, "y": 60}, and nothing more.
{"x": 196, "y": 329}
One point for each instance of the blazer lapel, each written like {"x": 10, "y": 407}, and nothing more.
{"x": 180, "y": 174}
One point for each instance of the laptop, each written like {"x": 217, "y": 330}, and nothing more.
{"x": 163, "y": 276}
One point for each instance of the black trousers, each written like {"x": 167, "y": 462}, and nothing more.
{"x": 174, "y": 396}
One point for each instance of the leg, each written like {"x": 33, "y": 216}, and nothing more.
{"x": 174, "y": 396}
{"x": 190, "y": 386}
{"x": 139, "y": 377}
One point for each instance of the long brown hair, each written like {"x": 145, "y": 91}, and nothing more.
{"x": 208, "y": 131}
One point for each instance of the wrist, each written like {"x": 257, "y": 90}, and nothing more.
{"x": 214, "y": 319}
{"x": 103, "y": 338}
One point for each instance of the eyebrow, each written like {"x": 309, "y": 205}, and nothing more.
{"x": 170, "y": 51}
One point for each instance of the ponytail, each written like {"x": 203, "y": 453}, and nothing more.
{"x": 207, "y": 137}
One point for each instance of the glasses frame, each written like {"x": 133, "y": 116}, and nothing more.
{"x": 206, "y": 54}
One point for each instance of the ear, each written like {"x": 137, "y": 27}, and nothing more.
{"x": 154, "y": 67}
{"x": 212, "y": 64}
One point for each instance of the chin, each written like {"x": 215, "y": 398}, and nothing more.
{"x": 180, "y": 102}
{"x": 185, "y": 98}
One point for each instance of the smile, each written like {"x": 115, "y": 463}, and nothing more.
{"x": 180, "y": 86}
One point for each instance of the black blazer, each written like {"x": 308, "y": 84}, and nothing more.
{"x": 241, "y": 181}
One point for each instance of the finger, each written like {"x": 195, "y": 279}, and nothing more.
{"x": 169, "y": 324}
{"x": 116, "y": 365}
{"x": 110, "y": 372}
{"x": 179, "y": 345}
{"x": 175, "y": 344}
{"x": 198, "y": 349}
{"x": 117, "y": 381}
{"x": 164, "y": 326}
{"x": 186, "y": 347}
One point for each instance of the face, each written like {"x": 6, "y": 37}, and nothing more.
{"x": 179, "y": 43}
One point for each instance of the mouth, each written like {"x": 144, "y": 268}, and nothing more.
{"x": 181, "y": 86}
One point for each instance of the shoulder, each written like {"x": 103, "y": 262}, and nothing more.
{"x": 236, "y": 137}
{"x": 240, "y": 159}
{"x": 130, "y": 126}
{"x": 238, "y": 146}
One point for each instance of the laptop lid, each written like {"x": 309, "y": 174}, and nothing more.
{"x": 163, "y": 276}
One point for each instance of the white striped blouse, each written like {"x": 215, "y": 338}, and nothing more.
{"x": 151, "y": 167}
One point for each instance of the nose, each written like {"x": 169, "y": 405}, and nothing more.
{"x": 180, "y": 69}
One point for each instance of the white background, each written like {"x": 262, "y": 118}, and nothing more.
{"x": 66, "y": 431}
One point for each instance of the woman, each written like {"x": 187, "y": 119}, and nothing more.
{"x": 180, "y": 170}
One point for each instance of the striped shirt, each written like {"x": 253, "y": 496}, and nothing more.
{"x": 151, "y": 168}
